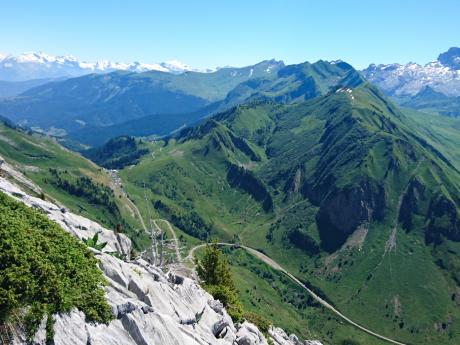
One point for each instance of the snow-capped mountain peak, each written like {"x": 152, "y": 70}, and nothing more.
{"x": 175, "y": 65}
{"x": 36, "y": 65}
{"x": 442, "y": 75}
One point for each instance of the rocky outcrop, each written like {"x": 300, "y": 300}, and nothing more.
{"x": 410, "y": 203}
{"x": 343, "y": 211}
{"x": 444, "y": 220}
{"x": 279, "y": 337}
{"x": 440, "y": 211}
{"x": 76, "y": 225}
{"x": 150, "y": 307}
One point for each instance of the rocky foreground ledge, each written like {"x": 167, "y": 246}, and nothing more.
{"x": 150, "y": 307}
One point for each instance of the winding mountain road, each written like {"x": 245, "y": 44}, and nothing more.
{"x": 270, "y": 262}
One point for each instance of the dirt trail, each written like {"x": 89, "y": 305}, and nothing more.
{"x": 173, "y": 233}
{"x": 272, "y": 263}
{"x": 278, "y": 267}
{"x": 136, "y": 210}
{"x": 115, "y": 183}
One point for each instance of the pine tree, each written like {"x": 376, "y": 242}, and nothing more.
{"x": 213, "y": 268}
{"x": 214, "y": 273}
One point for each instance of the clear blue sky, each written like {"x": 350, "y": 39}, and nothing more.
{"x": 217, "y": 33}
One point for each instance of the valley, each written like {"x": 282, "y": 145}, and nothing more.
{"x": 248, "y": 222}
{"x": 337, "y": 210}
{"x": 229, "y": 173}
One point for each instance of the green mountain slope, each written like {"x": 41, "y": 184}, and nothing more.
{"x": 428, "y": 100}
{"x": 344, "y": 190}
{"x": 94, "y": 108}
{"x": 14, "y": 88}
{"x": 117, "y": 153}
{"x": 441, "y": 132}
{"x": 68, "y": 178}
{"x": 295, "y": 83}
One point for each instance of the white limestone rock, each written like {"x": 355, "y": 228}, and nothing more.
{"x": 149, "y": 306}
{"x": 279, "y": 337}
{"x": 76, "y": 225}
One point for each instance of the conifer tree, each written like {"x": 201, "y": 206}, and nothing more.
{"x": 214, "y": 273}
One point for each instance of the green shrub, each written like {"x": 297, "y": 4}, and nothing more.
{"x": 229, "y": 299}
{"x": 262, "y": 324}
{"x": 44, "y": 270}
{"x": 213, "y": 268}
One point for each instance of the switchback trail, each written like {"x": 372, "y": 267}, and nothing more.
{"x": 136, "y": 210}
{"x": 173, "y": 233}
{"x": 118, "y": 188}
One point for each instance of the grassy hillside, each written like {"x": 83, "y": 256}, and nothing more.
{"x": 361, "y": 203}
{"x": 442, "y": 132}
{"x": 273, "y": 295}
{"x": 67, "y": 177}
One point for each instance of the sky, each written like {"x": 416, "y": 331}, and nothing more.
{"x": 237, "y": 33}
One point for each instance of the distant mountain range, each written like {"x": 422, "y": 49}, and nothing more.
{"x": 142, "y": 100}
{"x": 309, "y": 163}
{"x": 38, "y": 65}
{"x": 442, "y": 75}
{"x": 101, "y": 100}
{"x": 434, "y": 87}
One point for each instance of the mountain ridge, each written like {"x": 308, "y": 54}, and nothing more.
{"x": 338, "y": 170}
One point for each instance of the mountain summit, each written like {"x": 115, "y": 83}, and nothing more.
{"x": 451, "y": 58}
{"x": 442, "y": 75}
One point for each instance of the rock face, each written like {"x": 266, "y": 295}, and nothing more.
{"x": 343, "y": 211}
{"x": 451, "y": 58}
{"x": 150, "y": 307}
